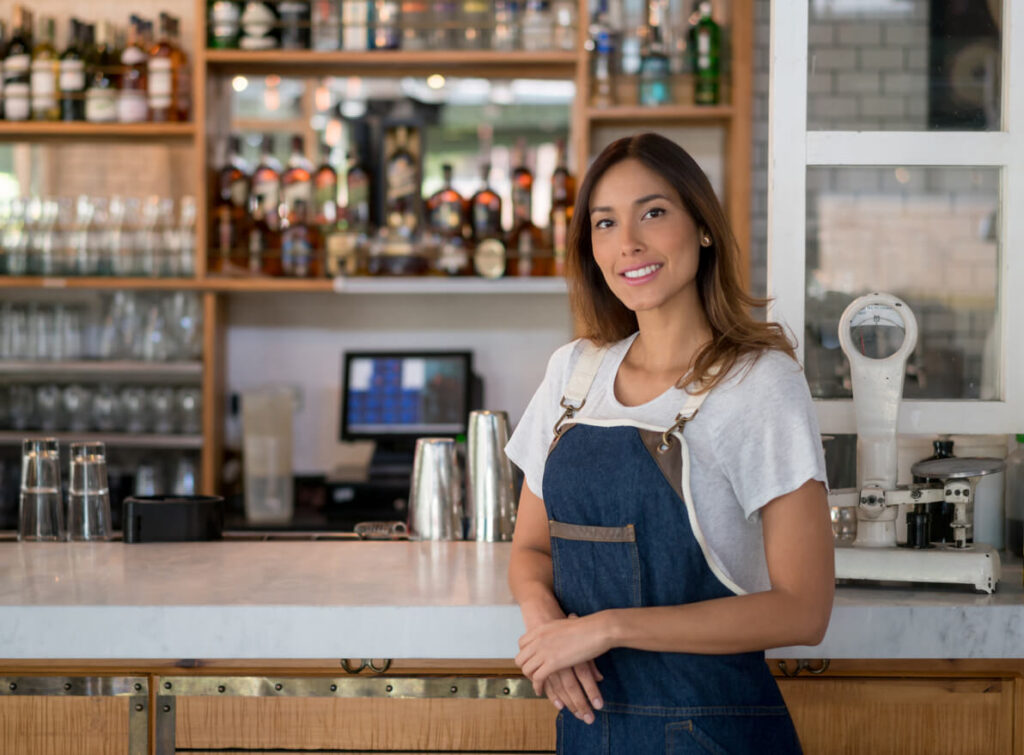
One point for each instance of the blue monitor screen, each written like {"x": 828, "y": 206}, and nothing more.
{"x": 405, "y": 394}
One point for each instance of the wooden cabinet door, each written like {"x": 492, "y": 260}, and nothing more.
{"x": 875, "y": 716}
{"x": 352, "y": 724}
{"x": 47, "y": 725}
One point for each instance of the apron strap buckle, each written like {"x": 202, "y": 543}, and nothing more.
{"x": 669, "y": 435}
{"x": 569, "y": 413}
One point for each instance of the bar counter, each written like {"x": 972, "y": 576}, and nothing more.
{"x": 413, "y": 600}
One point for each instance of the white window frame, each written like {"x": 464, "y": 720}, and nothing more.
{"x": 792, "y": 148}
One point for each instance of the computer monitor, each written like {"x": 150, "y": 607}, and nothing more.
{"x": 396, "y": 397}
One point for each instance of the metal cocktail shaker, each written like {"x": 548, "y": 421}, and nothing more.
{"x": 435, "y": 496}
{"x": 490, "y": 493}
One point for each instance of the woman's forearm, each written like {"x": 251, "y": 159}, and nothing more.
{"x": 529, "y": 577}
{"x": 734, "y": 624}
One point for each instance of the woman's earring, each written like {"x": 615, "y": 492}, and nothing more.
{"x": 705, "y": 240}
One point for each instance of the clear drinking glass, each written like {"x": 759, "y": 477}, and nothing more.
{"x": 21, "y": 410}
{"x": 189, "y": 404}
{"x": 48, "y": 407}
{"x": 162, "y": 410}
{"x": 88, "y": 494}
{"x": 76, "y": 402}
{"x": 135, "y": 409}
{"x": 40, "y": 509}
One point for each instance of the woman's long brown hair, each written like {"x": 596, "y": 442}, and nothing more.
{"x": 604, "y": 319}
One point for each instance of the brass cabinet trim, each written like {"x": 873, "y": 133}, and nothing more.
{"x": 407, "y": 688}
{"x": 75, "y": 686}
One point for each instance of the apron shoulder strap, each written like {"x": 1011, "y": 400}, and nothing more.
{"x": 583, "y": 374}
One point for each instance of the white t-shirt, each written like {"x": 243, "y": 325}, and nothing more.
{"x": 755, "y": 438}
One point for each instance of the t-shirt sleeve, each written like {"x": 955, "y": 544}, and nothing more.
{"x": 769, "y": 443}
{"x": 528, "y": 446}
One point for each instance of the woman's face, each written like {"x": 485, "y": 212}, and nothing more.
{"x": 645, "y": 242}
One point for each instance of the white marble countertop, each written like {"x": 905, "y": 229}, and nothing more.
{"x": 326, "y": 599}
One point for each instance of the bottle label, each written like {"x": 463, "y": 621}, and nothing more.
{"x": 16, "y": 65}
{"x": 240, "y": 192}
{"x": 100, "y": 105}
{"x": 160, "y": 83}
{"x": 16, "y": 102}
{"x": 268, "y": 194}
{"x": 44, "y": 85}
{"x": 131, "y": 106}
{"x": 300, "y": 191}
{"x": 257, "y": 19}
{"x": 72, "y": 76}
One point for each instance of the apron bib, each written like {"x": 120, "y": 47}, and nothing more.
{"x": 624, "y": 534}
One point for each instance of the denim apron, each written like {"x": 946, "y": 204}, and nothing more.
{"x": 623, "y": 535}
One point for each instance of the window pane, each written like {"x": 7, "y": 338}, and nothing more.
{"x": 904, "y": 65}
{"x": 927, "y": 235}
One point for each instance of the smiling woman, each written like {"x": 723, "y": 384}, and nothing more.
{"x": 673, "y": 524}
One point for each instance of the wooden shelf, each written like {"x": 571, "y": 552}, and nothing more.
{"x": 99, "y": 369}
{"x": 105, "y": 283}
{"x": 40, "y": 131}
{"x": 552, "y": 65}
{"x": 267, "y": 285}
{"x": 114, "y": 440}
{"x": 660, "y": 114}
{"x": 390, "y": 285}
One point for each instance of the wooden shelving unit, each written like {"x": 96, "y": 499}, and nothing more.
{"x": 211, "y": 67}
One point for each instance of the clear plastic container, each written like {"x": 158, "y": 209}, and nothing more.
{"x": 267, "y": 455}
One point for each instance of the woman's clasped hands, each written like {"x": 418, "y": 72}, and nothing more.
{"x": 558, "y": 655}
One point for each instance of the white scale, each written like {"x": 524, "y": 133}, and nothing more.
{"x": 875, "y": 322}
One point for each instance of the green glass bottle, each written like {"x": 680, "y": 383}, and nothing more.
{"x": 707, "y": 39}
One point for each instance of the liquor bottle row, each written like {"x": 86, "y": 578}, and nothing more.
{"x": 648, "y": 54}
{"x": 121, "y": 236}
{"x": 285, "y": 220}
{"x": 392, "y": 24}
{"x": 101, "y": 74}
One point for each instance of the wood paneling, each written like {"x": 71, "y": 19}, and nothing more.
{"x": 898, "y": 716}
{"x": 325, "y": 723}
{"x": 64, "y": 725}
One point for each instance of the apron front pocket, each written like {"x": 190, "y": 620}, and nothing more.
{"x": 595, "y": 568}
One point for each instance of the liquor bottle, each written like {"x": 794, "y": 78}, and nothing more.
{"x": 17, "y": 67}
{"x": 101, "y": 90}
{"x": 526, "y": 241}
{"x": 522, "y": 185}
{"x": 223, "y": 24}
{"x": 325, "y": 191}
{"x": 259, "y": 26}
{"x": 300, "y": 243}
{"x": 387, "y": 31}
{"x": 506, "y": 25}
{"x": 71, "y": 80}
{"x": 416, "y": 24}
{"x": 232, "y": 203}
{"x": 654, "y": 64}
{"x": 706, "y": 61}
{"x": 485, "y": 209}
{"x": 563, "y": 196}
{"x": 181, "y": 73}
{"x": 357, "y": 186}
{"x": 45, "y": 70}
{"x": 297, "y": 180}
{"x": 444, "y": 24}
{"x": 131, "y": 102}
{"x": 446, "y": 215}
{"x": 564, "y": 13}
{"x": 294, "y": 18}
{"x": 603, "y": 94}
{"x": 161, "y": 75}
{"x": 355, "y": 24}
{"x": 402, "y": 195}
{"x": 265, "y": 189}
{"x": 326, "y": 33}
{"x": 474, "y": 24}
{"x": 538, "y": 26}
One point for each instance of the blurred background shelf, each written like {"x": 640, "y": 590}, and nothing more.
{"x": 112, "y": 440}
{"x": 42, "y": 131}
{"x": 101, "y": 370}
{"x": 435, "y": 285}
{"x": 660, "y": 114}
{"x": 97, "y": 282}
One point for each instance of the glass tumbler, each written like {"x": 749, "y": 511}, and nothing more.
{"x": 40, "y": 509}
{"x": 88, "y": 493}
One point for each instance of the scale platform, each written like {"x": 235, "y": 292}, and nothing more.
{"x": 977, "y": 565}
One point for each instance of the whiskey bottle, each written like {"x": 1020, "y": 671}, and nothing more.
{"x": 603, "y": 94}
{"x": 485, "y": 210}
{"x": 402, "y": 194}
{"x": 71, "y": 80}
{"x": 223, "y": 24}
{"x": 444, "y": 24}
{"x": 181, "y": 73}
{"x": 101, "y": 90}
{"x": 387, "y": 32}
{"x": 326, "y": 20}
{"x": 506, "y": 34}
{"x": 446, "y": 215}
{"x": 17, "y": 68}
{"x": 297, "y": 180}
{"x": 265, "y": 190}
{"x": 654, "y": 64}
{"x": 162, "y": 76}
{"x": 325, "y": 191}
{"x": 564, "y": 12}
{"x": 706, "y": 58}
{"x": 474, "y": 24}
{"x": 355, "y": 24}
{"x": 357, "y": 190}
{"x": 300, "y": 243}
{"x": 295, "y": 24}
{"x": 416, "y": 22}
{"x": 45, "y": 70}
{"x": 232, "y": 203}
{"x": 563, "y": 196}
{"x": 526, "y": 241}
{"x": 522, "y": 186}
{"x": 538, "y": 26}
{"x": 131, "y": 102}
